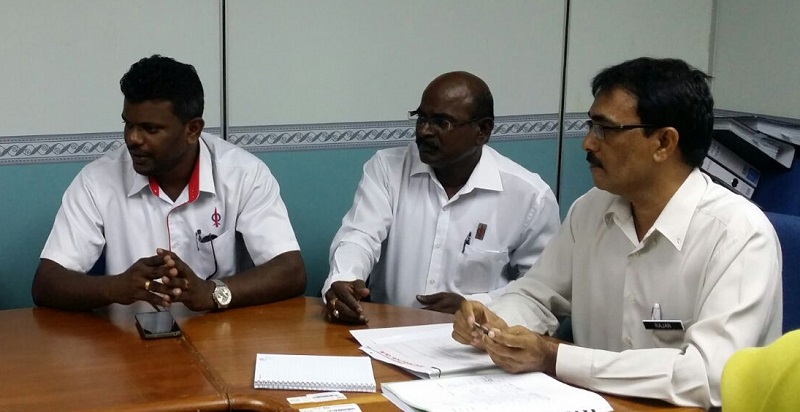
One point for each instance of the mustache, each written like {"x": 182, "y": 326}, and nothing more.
{"x": 593, "y": 160}
{"x": 137, "y": 153}
{"x": 426, "y": 143}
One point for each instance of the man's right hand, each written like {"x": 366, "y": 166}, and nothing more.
{"x": 471, "y": 312}
{"x": 343, "y": 301}
{"x": 139, "y": 283}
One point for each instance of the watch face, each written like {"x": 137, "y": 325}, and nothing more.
{"x": 222, "y": 295}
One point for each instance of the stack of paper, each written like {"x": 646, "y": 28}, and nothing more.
{"x": 752, "y": 145}
{"x": 427, "y": 351}
{"x": 501, "y": 392}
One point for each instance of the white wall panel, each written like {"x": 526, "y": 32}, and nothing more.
{"x": 607, "y": 32}
{"x": 313, "y": 61}
{"x": 62, "y": 60}
{"x": 756, "y": 57}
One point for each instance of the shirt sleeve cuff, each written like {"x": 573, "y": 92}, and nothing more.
{"x": 574, "y": 364}
{"x": 66, "y": 261}
{"x": 484, "y": 298}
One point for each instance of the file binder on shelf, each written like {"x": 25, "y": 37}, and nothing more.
{"x": 751, "y": 145}
{"x": 724, "y": 177}
{"x": 729, "y": 160}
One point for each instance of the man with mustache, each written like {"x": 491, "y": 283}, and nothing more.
{"x": 443, "y": 218}
{"x": 179, "y": 215}
{"x": 664, "y": 272}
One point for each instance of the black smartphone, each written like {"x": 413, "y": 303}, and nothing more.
{"x": 154, "y": 325}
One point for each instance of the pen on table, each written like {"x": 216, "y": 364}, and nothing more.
{"x": 655, "y": 314}
{"x": 466, "y": 242}
{"x": 482, "y": 328}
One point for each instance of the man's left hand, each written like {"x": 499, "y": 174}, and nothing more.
{"x": 518, "y": 350}
{"x": 441, "y": 302}
{"x": 194, "y": 292}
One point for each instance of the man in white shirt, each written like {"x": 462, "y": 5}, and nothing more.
{"x": 664, "y": 272}
{"x": 183, "y": 216}
{"x": 442, "y": 219}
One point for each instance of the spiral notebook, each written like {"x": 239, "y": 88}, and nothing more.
{"x": 314, "y": 373}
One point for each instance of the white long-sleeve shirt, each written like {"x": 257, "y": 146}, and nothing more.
{"x": 711, "y": 260}
{"x": 406, "y": 235}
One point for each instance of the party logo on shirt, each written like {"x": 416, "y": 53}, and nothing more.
{"x": 216, "y": 218}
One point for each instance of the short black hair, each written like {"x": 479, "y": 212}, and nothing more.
{"x": 669, "y": 93}
{"x": 163, "y": 78}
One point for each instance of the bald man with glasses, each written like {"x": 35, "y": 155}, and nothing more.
{"x": 442, "y": 219}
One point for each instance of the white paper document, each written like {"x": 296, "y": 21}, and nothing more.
{"x": 498, "y": 392}
{"x": 427, "y": 351}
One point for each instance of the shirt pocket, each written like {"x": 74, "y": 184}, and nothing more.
{"x": 480, "y": 270}
{"x": 216, "y": 257}
{"x": 670, "y": 338}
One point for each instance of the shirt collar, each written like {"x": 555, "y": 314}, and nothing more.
{"x": 201, "y": 180}
{"x": 486, "y": 174}
{"x": 674, "y": 220}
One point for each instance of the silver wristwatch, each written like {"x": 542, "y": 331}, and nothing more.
{"x": 221, "y": 295}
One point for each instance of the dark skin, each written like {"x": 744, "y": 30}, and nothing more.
{"x": 453, "y": 154}
{"x": 166, "y": 149}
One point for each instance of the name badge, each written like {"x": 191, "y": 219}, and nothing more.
{"x": 663, "y": 324}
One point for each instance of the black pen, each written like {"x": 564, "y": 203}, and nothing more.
{"x": 482, "y": 328}
{"x": 466, "y": 242}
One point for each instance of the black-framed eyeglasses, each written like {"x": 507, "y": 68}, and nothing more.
{"x": 208, "y": 239}
{"x": 599, "y": 130}
{"x": 439, "y": 123}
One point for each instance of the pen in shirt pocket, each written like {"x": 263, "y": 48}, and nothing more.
{"x": 466, "y": 242}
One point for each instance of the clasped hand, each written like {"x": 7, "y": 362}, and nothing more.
{"x": 514, "y": 349}
{"x": 178, "y": 283}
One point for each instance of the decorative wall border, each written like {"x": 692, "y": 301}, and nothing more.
{"x": 382, "y": 134}
{"x": 327, "y": 136}
{"x": 33, "y": 149}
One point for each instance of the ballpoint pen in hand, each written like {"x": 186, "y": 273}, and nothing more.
{"x": 482, "y": 328}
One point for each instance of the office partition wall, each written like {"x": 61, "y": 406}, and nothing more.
{"x": 315, "y": 87}
{"x": 756, "y": 62}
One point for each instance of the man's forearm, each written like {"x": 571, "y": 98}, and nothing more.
{"x": 281, "y": 278}
{"x": 57, "y": 287}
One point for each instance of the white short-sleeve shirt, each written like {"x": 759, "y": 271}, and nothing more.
{"x": 108, "y": 205}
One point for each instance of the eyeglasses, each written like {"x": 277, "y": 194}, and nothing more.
{"x": 208, "y": 239}
{"x": 441, "y": 124}
{"x": 599, "y": 130}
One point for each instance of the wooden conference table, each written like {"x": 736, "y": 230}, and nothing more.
{"x": 54, "y": 360}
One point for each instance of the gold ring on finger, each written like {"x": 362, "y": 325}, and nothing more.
{"x": 147, "y": 285}
{"x": 336, "y": 313}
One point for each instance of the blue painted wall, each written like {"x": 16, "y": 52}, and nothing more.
{"x": 317, "y": 186}
{"x": 31, "y": 195}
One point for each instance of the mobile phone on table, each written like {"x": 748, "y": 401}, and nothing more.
{"x": 154, "y": 325}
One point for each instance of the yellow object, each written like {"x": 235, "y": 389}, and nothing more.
{"x": 764, "y": 379}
